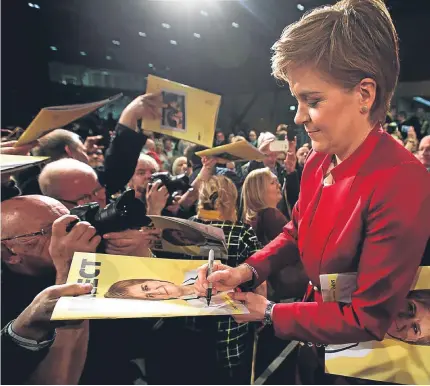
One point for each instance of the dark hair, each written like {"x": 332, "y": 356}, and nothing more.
{"x": 422, "y": 297}
{"x": 192, "y": 158}
{"x": 168, "y": 235}
{"x": 54, "y": 144}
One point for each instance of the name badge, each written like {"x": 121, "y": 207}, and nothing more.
{"x": 338, "y": 287}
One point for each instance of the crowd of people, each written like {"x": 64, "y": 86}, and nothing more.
{"x": 278, "y": 217}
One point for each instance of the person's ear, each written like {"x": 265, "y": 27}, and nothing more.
{"x": 68, "y": 151}
{"x": 367, "y": 94}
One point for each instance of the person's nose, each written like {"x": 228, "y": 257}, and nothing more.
{"x": 302, "y": 115}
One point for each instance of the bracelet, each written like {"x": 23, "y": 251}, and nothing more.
{"x": 29, "y": 344}
{"x": 254, "y": 271}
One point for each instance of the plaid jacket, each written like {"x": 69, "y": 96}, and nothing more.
{"x": 232, "y": 339}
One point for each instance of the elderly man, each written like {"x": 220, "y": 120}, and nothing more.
{"x": 36, "y": 253}
{"x": 74, "y": 183}
{"x": 424, "y": 152}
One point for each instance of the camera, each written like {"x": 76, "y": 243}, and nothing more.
{"x": 126, "y": 212}
{"x": 180, "y": 183}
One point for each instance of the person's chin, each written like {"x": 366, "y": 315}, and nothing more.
{"x": 320, "y": 147}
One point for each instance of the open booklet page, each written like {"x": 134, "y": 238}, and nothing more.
{"x": 53, "y": 117}
{"x": 13, "y": 163}
{"x": 137, "y": 287}
{"x": 403, "y": 356}
{"x": 188, "y": 113}
{"x": 188, "y": 237}
{"x": 237, "y": 151}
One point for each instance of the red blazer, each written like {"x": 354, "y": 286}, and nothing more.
{"x": 374, "y": 220}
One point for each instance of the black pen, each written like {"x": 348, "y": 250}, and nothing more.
{"x": 210, "y": 267}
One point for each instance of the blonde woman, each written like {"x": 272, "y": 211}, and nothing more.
{"x": 261, "y": 193}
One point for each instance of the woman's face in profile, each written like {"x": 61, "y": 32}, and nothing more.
{"x": 154, "y": 290}
{"x": 411, "y": 323}
{"x": 330, "y": 114}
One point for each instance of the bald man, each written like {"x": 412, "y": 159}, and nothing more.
{"x": 424, "y": 152}
{"x": 74, "y": 183}
{"x": 36, "y": 253}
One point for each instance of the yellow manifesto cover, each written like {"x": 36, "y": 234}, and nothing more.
{"x": 50, "y": 118}
{"x": 403, "y": 356}
{"x": 237, "y": 151}
{"x": 137, "y": 287}
{"x": 188, "y": 113}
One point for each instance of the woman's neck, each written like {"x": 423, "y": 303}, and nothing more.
{"x": 343, "y": 154}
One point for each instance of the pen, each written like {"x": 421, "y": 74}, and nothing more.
{"x": 210, "y": 267}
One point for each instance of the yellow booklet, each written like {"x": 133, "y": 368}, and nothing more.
{"x": 238, "y": 151}
{"x": 403, "y": 356}
{"x": 50, "y": 118}
{"x": 189, "y": 113}
{"x": 137, "y": 287}
{"x": 15, "y": 163}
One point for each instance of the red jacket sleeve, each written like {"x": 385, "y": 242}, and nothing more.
{"x": 395, "y": 239}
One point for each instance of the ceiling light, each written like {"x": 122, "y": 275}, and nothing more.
{"x": 292, "y": 108}
{"x": 235, "y": 25}
{"x": 174, "y": 42}
{"x": 150, "y": 65}
{"x": 300, "y": 7}
{"x": 165, "y": 25}
{"x": 108, "y": 57}
{"x": 204, "y": 13}
{"x": 105, "y": 73}
{"x": 36, "y": 6}
{"x": 116, "y": 42}
{"x": 83, "y": 53}
{"x": 64, "y": 82}
{"x": 31, "y": 5}
{"x": 143, "y": 34}
{"x": 196, "y": 35}
{"x": 53, "y": 48}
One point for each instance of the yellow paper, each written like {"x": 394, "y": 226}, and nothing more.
{"x": 189, "y": 114}
{"x": 162, "y": 288}
{"x": 13, "y": 163}
{"x": 50, "y": 118}
{"x": 238, "y": 151}
{"x": 390, "y": 360}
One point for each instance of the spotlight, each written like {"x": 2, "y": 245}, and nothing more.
{"x": 31, "y": 5}
{"x": 174, "y": 42}
{"x": 165, "y": 25}
{"x": 116, "y": 42}
{"x": 300, "y": 7}
{"x": 143, "y": 34}
{"x": 196, "y": 35}
{"x": 235, "y": 25}
{"x": 83, "y": 53}
{"x": 36, "y": 6}
{"x": 150, "y": 65}
{"x": 108, "y": 57}
{"x": 53, "y": 48}
{"x": 292, "y": 108}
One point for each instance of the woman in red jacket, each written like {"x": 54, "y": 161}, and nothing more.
{"x": 341, "y": 63}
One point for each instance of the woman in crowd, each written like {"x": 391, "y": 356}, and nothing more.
{"x": 341, "y": 63}
{"x": 180, "y": 166}
{"x": 261, "y": 194}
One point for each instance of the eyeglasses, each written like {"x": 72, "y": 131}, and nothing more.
{"x": 42, "y": 232}
{"x": 86, "y": 198}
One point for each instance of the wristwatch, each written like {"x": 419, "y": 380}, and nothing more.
{"x": 268, "y": 313}
{"x": 29, "y": 344}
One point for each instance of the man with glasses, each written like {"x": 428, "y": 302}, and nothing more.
{"x": 74, "y": 183}
{"x": 36, "y": 253}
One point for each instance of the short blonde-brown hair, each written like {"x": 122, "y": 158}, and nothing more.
{"x": 219, "y": 193}
{"x": 253, "y": 192}
{"x": 348, "y": 41}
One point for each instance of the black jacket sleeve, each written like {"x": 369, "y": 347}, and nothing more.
{"x": 18, "y": 363}
{"x": 121, "y": 158}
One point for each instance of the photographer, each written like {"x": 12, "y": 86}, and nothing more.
{"x": 74, "y": 183}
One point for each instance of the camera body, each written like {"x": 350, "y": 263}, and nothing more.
{"x": 179, "y": 183}
{"x": 126, "y": 212}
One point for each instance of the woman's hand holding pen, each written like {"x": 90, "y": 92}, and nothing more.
{"x": 223, "y": 278}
